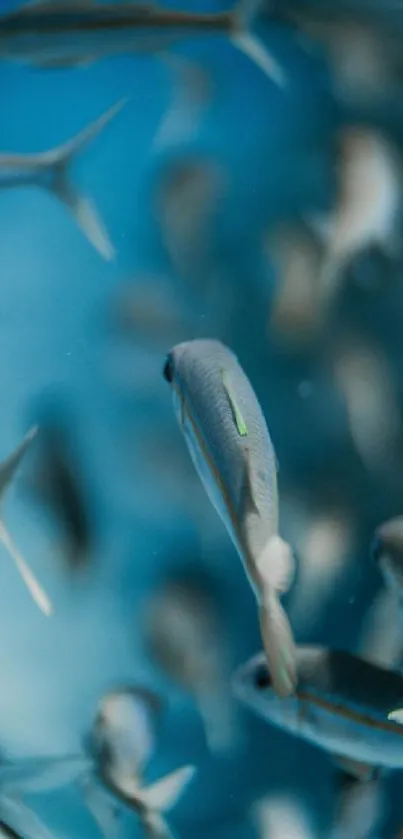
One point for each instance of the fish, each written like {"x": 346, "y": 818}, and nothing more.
{"x": 50, "y": 170}
{"x": 8, "y": 470}
{"x": 280, "y": 815}
{"x": 121, "y": 742}
{"x": 340, "y": 705}
{"x": 56, "y": 485}
{"x": 186, "y": 638}
{"x": 187, "y": 196}
{"x": 229, "y": 443}
{"x": 65, "y": 35}
{"x": 387, "y": 553}
{"x": 368, "y": 204}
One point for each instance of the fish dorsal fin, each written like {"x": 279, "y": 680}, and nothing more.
{"x": 248, "y": 502}
{"x": 359, "y": 770}
{"x": 236, "y": 413}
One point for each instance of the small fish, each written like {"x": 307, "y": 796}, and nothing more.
{"x": 121, "y": 743}
{"x": 186, "y": 638}
{"x": 65, "y": 35}
{"x": 56, "y": 484}
{"x": 368, "y": 204}
{"x": 341, "y": 705}
{"x": 50, "y": 170}
{"x": 187, "y": 196}
{"x": 282, "y": 817}
{"x": 8, "y": 469}
{"x": 212, "y": 397}
{"x": 300, "y": 304}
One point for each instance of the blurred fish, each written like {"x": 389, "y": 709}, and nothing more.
{"x": 363, "y": 50}
{"x": 230, "y": 446}
{"x": 185, "y": 636}
{"x": 186, "y": 198}
{"x": 282, "y": 817}
{"x": 368, "y": 204}
{"x": 340, "y": 705}
{"x": 365, "y": 380}
{"x": 387, "y": 552}
{"x": 53, "y": 35}
{"x": 56, "y": 484}
{"x": 381, "y": 636}
{"x": 121, "y": 743}
{"x": 324, "y": 546}
{"x": 299, "y": 306}
{"x": 148, "y": 309}
{"x": 50, "y": 170}
{"x": 358, "y": 809}
{"x": 8, "y": 469}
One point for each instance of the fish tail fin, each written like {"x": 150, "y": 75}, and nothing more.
{"x": 159, "y": 798}
{"x": 276, "y": 568}
{"x": 242, "y": 38}
{"x": 8, "y": 469}
{"x": 35, "y": 589}
{"x": 59, "y": 161}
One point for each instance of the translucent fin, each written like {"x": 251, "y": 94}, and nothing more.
{"x": 250, "y": 45}
{"x": 276, "y": 565}
{"x": 191, "y": 92}
{"x": 23, "y": 819}
{"x": 59, "y": 160}
{"x": 218, "y": 719}
{"x": 34, "y": 775}
{"x": 104, "y": 811}
{"x": 164, "y": 794}
{"x": 10, "y": 465}
{"x": 35, "y": 589}
{"x": 278, "y": 643}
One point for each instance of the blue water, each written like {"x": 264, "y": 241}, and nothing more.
{"x": 57, "y": 293}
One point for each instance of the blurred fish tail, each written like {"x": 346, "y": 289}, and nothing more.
{"x": 159, "y": 798}
{"x": 242, "y": 37}
{"x": 58, "y": 161}
{"x": 219, "y": 723}
{"x": 278, "y": 643}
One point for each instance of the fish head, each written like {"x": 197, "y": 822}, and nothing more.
{"x": 252, "y": 685}
{"x": 185, "y": 366}
{"x": 387, "y": 553}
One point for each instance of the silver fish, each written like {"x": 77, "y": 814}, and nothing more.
{"x": 230, "y": 446}
{"x": 8, "y": 469}
{"x": 50, "y": 170}
{"x": 186, "y": 638}
{"x": 341, "y": 705}
{"x": 121, "y": 743}
{"x": 63, "y": 35}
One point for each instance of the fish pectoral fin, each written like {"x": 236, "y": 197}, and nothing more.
{"x": 163, "y": 795}
{"x": 359, "y": 770}
{"x": 235, "y": 410}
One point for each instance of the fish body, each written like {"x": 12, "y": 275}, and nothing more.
{"x": 50, "y": 170}
{"x": 341, "y": 705}
{"x": 186, "y": 638}
{"x": 65, "y": 35}
{"x": 121, "y": 743}
{"x": 231, "y": 449}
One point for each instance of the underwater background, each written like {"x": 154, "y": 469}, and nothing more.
{"x": 61, "y": 346}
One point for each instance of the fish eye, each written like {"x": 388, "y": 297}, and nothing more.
{"x": 168, "y": 371}
{"x": 262, "y": 677}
